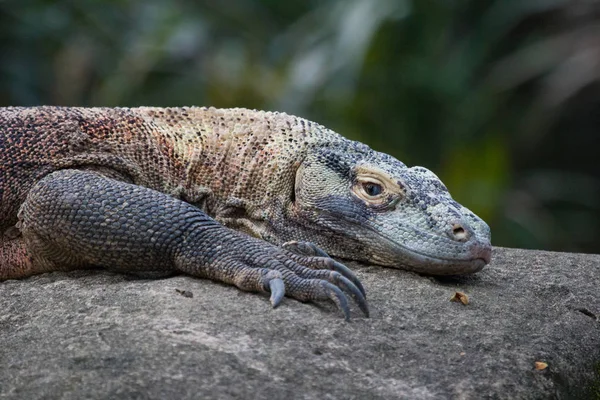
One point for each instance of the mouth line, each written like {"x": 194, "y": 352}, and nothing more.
{"x": 438, "y": 260}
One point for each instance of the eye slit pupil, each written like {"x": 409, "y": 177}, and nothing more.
{"x": 372, "y": 189}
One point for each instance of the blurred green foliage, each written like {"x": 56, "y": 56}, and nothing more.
{"x": 500, "y": 98}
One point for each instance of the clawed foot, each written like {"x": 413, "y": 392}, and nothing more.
{"x": 299, "y": 270}
{"x": 319, "y": 275}
{"x": 321, "y": 260}
{"x": 305, "y": 272}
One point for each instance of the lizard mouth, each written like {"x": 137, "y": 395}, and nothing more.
{"x": 477, "y": 256}
{"x": 440, "y": 266}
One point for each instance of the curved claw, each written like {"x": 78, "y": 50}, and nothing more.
{"x": 338, "y": 297}
{"x": 358, "y": 296}
{"x": 277, "y": 288}
{"x": 347, "y": 272}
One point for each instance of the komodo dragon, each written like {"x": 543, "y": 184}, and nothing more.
{"x": 244, "y": 197}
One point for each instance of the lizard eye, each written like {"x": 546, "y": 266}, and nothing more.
{"x": 377, "y": 189}
{"x": 372, "y": 189}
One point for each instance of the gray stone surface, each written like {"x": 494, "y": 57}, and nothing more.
{"x": 102, "y": 335}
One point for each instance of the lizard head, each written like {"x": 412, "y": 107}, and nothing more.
{"x": 364, "y": 205}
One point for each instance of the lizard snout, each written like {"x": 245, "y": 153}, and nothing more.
{"x": 479, "y": 245}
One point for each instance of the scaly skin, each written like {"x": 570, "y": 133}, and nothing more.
{"x": 154, "y": 191}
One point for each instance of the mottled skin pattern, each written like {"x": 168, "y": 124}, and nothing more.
{"x": 154, "y": 191}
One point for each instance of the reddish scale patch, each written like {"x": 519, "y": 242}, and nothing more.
{"x": 16, "y": 261}
{"x": 30, "y": 140}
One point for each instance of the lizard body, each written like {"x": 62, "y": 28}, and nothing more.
{"x": 216, "y": 193}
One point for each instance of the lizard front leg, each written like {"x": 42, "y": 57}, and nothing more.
{"x": 74, "y": 219}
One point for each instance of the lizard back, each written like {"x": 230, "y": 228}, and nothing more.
{"x": 184, "y": 152}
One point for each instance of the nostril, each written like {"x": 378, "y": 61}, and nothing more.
{"x": 459, "y": 233}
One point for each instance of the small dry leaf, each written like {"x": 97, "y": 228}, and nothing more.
{"x": 460, "y": 297}
{"x": 462, "y": 353}
{"x": 540, "y": 365}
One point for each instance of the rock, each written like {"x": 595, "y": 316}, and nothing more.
{"x": 102, "y": 335}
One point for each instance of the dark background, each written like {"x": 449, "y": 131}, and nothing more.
{"x": 500, "y": 98}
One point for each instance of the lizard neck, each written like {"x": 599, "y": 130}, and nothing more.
{"x": 237, "y": 164}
